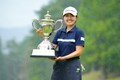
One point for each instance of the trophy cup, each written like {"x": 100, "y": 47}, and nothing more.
{"x": 48, "y": 26}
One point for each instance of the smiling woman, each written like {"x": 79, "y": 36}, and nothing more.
{"x": 18, "y": 13}
{"x": 70, "y": 43}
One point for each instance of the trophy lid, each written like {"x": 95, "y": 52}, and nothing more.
{"x": 47, "y": 18}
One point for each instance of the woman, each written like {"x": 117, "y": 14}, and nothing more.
{"x": 70, "y": 43}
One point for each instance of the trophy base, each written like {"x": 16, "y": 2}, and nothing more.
{"x": 43, "y": 53}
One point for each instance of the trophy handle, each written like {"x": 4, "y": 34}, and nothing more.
{"x": 35, "y": 24}
{"x": 61, "y": 21}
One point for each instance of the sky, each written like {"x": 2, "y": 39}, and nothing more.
{"x": 19, "y": 13}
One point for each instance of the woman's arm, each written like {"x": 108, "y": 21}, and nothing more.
{"x": 76, "y": 53}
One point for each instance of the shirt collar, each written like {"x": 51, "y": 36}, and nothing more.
{"x": 73, "y": 29}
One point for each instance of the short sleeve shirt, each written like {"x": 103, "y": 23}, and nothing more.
{"x": 67, "y": 41}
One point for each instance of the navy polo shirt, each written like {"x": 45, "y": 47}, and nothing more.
{"x": 67, "y": 41}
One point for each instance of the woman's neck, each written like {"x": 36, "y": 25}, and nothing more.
{"x": 69, "y": 28}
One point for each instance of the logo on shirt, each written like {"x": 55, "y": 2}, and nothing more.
{"x": 82, "y": 39}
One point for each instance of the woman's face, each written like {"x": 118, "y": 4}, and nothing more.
{"x": 69, "y": 19}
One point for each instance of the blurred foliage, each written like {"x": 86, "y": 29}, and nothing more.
{"x": 99, "y": 19}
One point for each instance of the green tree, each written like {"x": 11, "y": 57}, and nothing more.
{"x": 56, "y": 8}
{"x": 3, "y": 75}
{"x": 100, "y": 20}
{"x": 12, "y": 60}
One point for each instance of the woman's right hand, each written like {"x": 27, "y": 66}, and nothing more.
{"x": 39, "y": 32}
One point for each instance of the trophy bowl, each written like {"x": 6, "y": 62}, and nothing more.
{"x": 47, "y": 26}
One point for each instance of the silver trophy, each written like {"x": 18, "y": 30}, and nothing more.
{"x": 48, "y": 26}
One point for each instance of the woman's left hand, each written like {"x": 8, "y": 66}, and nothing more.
{"x": 60, "y": 58}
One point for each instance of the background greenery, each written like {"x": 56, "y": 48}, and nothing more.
{"x": 100, "y": 21}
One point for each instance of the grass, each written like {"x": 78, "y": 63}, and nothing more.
{"x": 117, "y": 78}
{"x": 91, "y": 76}
{"x": 96, "y": 75}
